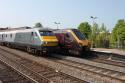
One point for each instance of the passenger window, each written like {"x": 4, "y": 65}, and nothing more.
{"x": 10, "y": 35}
{"x": 2, "y": 36}
{"x": 31, "y": 33}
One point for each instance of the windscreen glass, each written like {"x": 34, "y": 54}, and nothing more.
{"x": 79, "y": 34}
{"x": 46, "y": 33}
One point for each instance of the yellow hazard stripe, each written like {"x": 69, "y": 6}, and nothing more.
{"x": 49, "y": 38}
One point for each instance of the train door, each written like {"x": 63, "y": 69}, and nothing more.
{"x": 35, "y": 39}
{"x": 32, "y": 38}
{"x": 68, "y": 40}
{"x": 2, "y": 37}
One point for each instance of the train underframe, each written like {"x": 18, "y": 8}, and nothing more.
{"x": 32, "y": 49}
{"x": 80, "y": 51}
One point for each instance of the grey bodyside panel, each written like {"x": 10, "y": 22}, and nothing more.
{"x": 22, "y": 37}
{"x": 27, "y": 38}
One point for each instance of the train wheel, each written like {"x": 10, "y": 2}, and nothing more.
{"x": 7, "y": 44}
{"x": 74, "y": 52}
{"x": 28, "y": 49}
{"x": 25, "y": 49}
{"x": 35, "y": 51}
{"x": 38, "y": 53}
{"x": 1, "y": 44}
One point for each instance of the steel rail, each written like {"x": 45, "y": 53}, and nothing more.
{"x": 37, "y": 63}
{"x": 81, "y": 64}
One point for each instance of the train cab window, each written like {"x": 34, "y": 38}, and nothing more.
{"x": 79, "y": 34}
{"x": 33, "y": 34}
{"x": 46, "y": 33}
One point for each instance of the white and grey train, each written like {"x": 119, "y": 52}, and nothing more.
{"x": 33, "y": 40}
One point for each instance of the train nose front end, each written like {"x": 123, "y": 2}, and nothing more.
{"x": 83, "y": 42}
{"x": 85, "y": 45}
{"x": 49, "y": 41}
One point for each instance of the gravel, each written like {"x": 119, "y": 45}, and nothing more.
{"x": 84, "y": 75}
{"x": 88, "y": 62}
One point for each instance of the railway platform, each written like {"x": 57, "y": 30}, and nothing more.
{"x": 114, "y": 51}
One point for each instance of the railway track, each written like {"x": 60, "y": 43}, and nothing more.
{"x": 39, "y": 73}
{"x": 101, "y": 71}
{"x": 109, "y": 59}
{"x": 9, "y": 75}
{"x": 22, "y": 69}
{"x": 90, "y": 72}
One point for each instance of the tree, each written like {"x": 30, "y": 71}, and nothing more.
{"x": 102, "y": 39}
{"x": 94, "y": 33}
{"x": 118, "y": 33}
{"x": 85, "y": 28}
{"x": 38, "y": 25}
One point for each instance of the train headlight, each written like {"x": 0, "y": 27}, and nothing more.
{"x": 45, "y": 42}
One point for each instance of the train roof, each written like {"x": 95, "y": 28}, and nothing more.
{"x": 46, "y": 29}
{"x": 13, "y": 29}
{"x": 63, "y": 30}
{"x": 24, "y": 28}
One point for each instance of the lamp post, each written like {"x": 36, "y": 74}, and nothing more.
{"x": 93, "y": 19}
{"x": 57, "y": 24}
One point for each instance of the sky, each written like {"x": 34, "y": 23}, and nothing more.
{"x": 69, "y": 13}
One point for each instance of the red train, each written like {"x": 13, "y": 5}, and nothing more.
{"x": 72, "y": 41}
